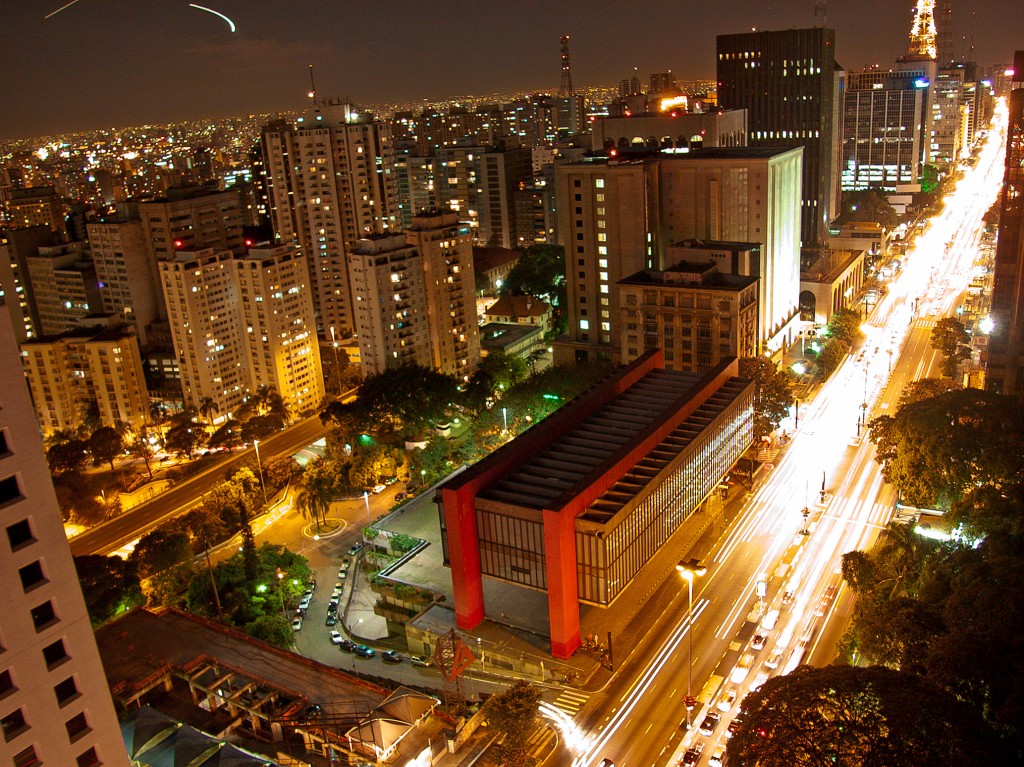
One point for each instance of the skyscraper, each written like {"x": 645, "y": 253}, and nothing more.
{"x": 331, "y": 181}
{"x": 788, "y": 82}
{"x": 56, "y": 706}
{"x": 1005, "y": 370}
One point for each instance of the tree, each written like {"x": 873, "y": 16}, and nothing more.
{"x": 950, "y": 337}
{"x": 159, "y": 550}
{"x": 261, "y": 427}
{"x": 280, "y": 471}
{"x": 773, "y": 394}
{"x": 934, "y": 450}
{"x": 205, "y": 527}
{"x": 404, "y": 400}
{"x": 924, "y": 388}
{"x": 208, "y": 407}
{"x": 831, "y": 356}
{"x": 496, "y": 373}
{"x": 513, "y": 713}
{"x": 370, "y": 467}
{"x": 227, "y": 435}
{"x": 183, "y": 439}
{"x": 313, "y": 500}
{"x": 844, "y": 325}
{"x": 273, "y": 629}
{"x": 843, "y": 715}
{"x": 67, "y": 457}
{"x": 138, "y": 447}
{"x": 539, "y": 272}
{"x": 110, "y": 586}
{"x": 867, "y": 205}
{"x": 106, "y": 444}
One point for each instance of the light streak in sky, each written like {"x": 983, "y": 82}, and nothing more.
{"x": 210, "y": 10}
{"x": 54, "y": 13}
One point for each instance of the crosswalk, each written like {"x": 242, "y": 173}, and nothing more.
{"x": 571, "y": 701}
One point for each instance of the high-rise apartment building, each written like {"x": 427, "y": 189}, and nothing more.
{"x": 417, "y": 190}
{"x": 64, "y": 286}
{"x": 949, "y": 116}
{"x": 34, "y": 205}
{"x": 70, "y": 372}
{"x": 126, "y": 275}
{"x": 788, "y": 82}
{"x": 1005, "y": 368}
{"x": 389, "y": 297}
{"x": 16, "y": 246}
{"x": 331, "y": 181}
{"x": 276, "y": 306}
{"x": 55, "y": 705}
{"x": 446, "y": 254}
{"x": 201, "y": 290}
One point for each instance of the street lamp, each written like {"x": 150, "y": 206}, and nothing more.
{"x": 689, "y": 570}
{"x": 337, "y": 372}
{"x": 504, "y": 418}
{"x": 259, "y": 465}
{"x": 366, "y": 499}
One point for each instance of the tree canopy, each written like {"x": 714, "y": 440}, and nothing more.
{"x": 513, "y": 713}
{"x": 773, "y": 393}
{"x": 950, "y": 337}
{"x": 867, "y": 205}
{"x": 822, "y": 717}
{"x": 106, "y": 444}
{"x": 539, "y": 272}
{"x": 844, "y": 325}
{"x": 935, "y": 449}
{"x": 404, "y": 400}
{"x": 110, "y": 586}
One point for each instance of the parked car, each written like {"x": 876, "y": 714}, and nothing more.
{"x": 332, "y": 607}
{"x": 296, "y": 624}
{"x": 710, "y": 723}
{"x": 304, "y": 602}
{"x": 332, "y": 620}
{"x": 347, "y": 645}
{"x": 363, "y": 651}
{"x": 355, "y": 548}
{"x": 692, "y": 755}
{"x": 735, "y": 724}
{"x": 336, "y": 637}
{"x": 421, "y": 661}
{"x": 379, "y": 488}
{"x": 342, "y": 575}
{"x": 400, "y": 496}
{"x": 337, "y": 592}
{"x": 391, "y": 656}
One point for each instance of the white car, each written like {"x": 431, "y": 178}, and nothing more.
{"x": 727, "y": 700}
{"x": 336, "y": 637}
{"x": 296, "y": 624}
{"x": 379, "y": 488}
{"x": 742, "y": 669}
{"x": 715, "y": 760}
{"x": 304, "y": 603}
{"x": 774, "y": 659}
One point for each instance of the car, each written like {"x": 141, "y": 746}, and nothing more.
{"x": 400, "y": 496}
{"x": 769, "y": 620}
{"x": 421, "y": 661}
{"x": 342, "y": 575}
{"x": 363, "y": 651}
{"x": 345, "y": 562}
{"x": 391, "y": 656}
{"x": 606, "y": 763}
{"x": 300, "y": 611}
{"x": 336, "y": 593}
{"x": 774, "y": 659}
{"x": 296, "y": 624}
{"x": 379, "y": 489}
{"x": 727, "y": 700}
{"x": 307, "y": 594}
{"x": 347, "y": 645}
{"x": 759, "y": 680}
{"x": 312, "y": 584}
{"x": 336, "y": 637}
{"x": 332, "y": 607}
{"x": 710, "y": 723}
{"x": 354, "y": 549}
{"x": 332, "y": 620}
{"x": 692, "y": 755}
{"x": 742, "y": 669}
{"x": 788, "y": 596}
{"x": 304, "y": 603}
{"x": 734, "y": 725}
{"x": 758, "y": 642}
{"x": 717, "y": 757}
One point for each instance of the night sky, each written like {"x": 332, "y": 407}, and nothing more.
{"x": 108, "y": 63}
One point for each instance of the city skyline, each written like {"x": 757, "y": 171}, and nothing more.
{"x": 99, "y": 65}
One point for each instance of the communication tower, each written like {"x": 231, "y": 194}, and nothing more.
{"x": 565, "y": 89}
{"x": 923, "y": 33}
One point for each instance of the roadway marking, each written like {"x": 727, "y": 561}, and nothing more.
{"x": 571, "y": 701}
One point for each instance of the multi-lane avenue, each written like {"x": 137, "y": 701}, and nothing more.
{"x": 639, "y": 718}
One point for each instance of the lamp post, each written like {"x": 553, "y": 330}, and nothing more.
{"x": 366, "y": 499}
{"x": 690, "y": 570}
{"x": 337, "y": 372}
{"x": 504, "y": 418}
{"x": 259, "y": 465}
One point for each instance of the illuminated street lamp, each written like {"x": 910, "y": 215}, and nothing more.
{"x": 337, "y": 371}
{"x": 259, "y": 465}
{"x": 504, "y": 418}
{"x": 689, "y": 570}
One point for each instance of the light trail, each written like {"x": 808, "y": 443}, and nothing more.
{"x": 209, "y": 10}
{"x": 63, "y": 7}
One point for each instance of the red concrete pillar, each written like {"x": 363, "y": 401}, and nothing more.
{"x": 464, "y": 556}
{"x": 563, "y": 591}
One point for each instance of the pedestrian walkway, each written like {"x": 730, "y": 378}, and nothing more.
{"x": 571, "y": 701}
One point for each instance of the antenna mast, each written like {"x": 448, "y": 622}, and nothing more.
{"x": 820, "y": 13}
{"x": 312, "y": 85}
{"x": 565, "y": 90}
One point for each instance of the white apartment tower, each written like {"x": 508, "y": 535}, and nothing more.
{"x": 126, "y": 275}
{"x": 446, "y": 252}
{"x": 201, "y": 290}
{"x": 55, "y": 705}
{"x": 276, "y": 306}
{"x": 389, "y": 299}
{"x": 330, "y": 181}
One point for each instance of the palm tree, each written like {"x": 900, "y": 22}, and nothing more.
{"x": 314, "y": 497}
{"x": 207, "y": 407}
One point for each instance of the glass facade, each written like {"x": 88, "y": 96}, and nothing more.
{"x": 512, "y": 548}
{"x": 705, "y": 447}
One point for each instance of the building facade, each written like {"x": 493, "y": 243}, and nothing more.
{"x": 56, "y": 706}
{"x": 67, "y": 373}
{"x": 698, "y": 315}
{"x": 579, "y": 504}
{"x": 276, "y": 305}
{"x": 331, "y": 181}
{"x": 1005, "y": 368}
{"x": 64, "y": 286}
{"x": 788, "y": 83}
